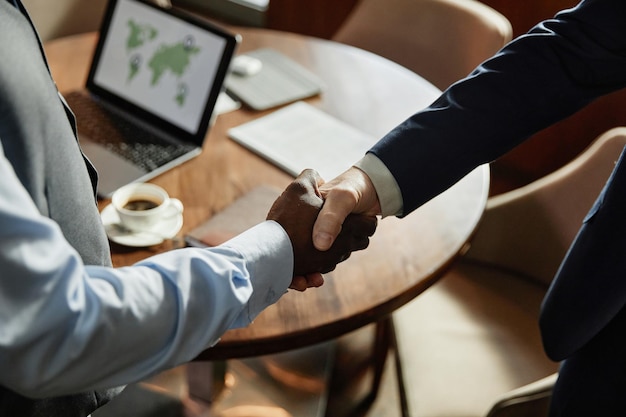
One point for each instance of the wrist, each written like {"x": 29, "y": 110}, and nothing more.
{"x": 369, "y": 196}
{"x": 386, "y": 192}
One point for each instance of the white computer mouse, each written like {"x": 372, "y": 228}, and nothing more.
{"x": 245, "y": 66}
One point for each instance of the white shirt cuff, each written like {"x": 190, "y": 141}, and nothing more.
{"x": 387, "y": 189}
{"x": 269, "y": 259}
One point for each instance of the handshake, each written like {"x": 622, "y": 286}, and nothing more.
{"x": 296, "y": 210}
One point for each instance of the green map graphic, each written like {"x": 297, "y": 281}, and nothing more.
{"x": 174, "y": 58}
{"x": 139, "y": 34}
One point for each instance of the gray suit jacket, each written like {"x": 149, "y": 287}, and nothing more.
{"x": 37, "y": 134}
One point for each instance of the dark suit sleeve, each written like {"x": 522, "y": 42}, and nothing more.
{"x": 557, "y": 68}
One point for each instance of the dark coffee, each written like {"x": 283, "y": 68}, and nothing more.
{"x": 140, "y": 204}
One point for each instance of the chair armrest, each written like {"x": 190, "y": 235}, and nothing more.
{"x": 547, "y": 212}
{"x": 530, "y": 400}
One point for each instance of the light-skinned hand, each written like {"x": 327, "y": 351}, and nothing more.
{"x": 350, "y": 192}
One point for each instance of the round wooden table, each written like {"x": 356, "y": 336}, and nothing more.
{"x": 405, "y": 256}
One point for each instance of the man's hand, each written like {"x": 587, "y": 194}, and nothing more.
{"x": 296, "y": 210}
{"x": 351, "y": 192}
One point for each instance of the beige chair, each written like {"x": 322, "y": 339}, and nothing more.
{"x": 470, "y": 345}
{"x": 441, "y": 40}
{"x": 56, "y": 18}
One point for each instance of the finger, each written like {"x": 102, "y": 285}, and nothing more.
{"x": 360, "y": 225}
{"x": 318, "y": 181}
{"x": 315, "y": 280}
{"x": 337, "y": 206}
{"x": 310, "y": 180}
{"x": 360, "y": 244}
{"x": 298, "y": 283}
{"x": 329, "y": 268}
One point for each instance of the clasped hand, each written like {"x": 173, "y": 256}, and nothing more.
{"x": 296, "y": 210}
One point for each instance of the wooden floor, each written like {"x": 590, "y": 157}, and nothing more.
{"x": 167, "y": 394}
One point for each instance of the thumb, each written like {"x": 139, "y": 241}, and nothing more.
{"x": 330, "y": 219}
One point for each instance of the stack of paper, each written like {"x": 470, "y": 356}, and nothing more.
{"x": 301, "y": 136}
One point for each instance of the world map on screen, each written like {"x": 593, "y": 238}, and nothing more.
{"x": 172, "y": 57}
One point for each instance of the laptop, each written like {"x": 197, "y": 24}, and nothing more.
{"x": 151, "y": 91}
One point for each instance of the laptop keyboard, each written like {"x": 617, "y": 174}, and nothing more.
{"x": 120, "y": 136}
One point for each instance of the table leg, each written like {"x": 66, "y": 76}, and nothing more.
{"x": 382, "y": 343}
{"x": 360, "y": 366}
{"x": 404, "y": 407}
{"x": 206, "y": 380}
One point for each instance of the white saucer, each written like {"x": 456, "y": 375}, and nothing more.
{"x": 166, "y": 229}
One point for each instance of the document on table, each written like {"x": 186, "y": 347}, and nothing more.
{"x": 301, "y": 136}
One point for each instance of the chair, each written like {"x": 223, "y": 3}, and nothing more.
{"x": 54, "y": 19}
{"x": 470, "y": 345}
{"x": 58, "y": 18}
{"x": 441, "y": 40}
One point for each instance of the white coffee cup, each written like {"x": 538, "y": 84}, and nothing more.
{"x": 142, "y": 206}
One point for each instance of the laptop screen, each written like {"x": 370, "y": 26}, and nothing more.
{"x": 170, "y": 66}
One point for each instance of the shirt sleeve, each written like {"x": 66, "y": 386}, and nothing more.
{"x": 68, "y": 327}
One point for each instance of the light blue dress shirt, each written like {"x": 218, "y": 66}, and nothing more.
{"x": 68, "y": 327}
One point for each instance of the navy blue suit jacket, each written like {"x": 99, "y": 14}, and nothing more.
{"x": 557, "y": 68}
{"x": 590, "y": 287}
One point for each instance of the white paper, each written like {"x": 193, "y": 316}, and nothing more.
{"x": 301, "y": 136}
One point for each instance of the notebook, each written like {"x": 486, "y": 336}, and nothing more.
{"x": 248, "y": 210}
{"x": 151, "y": 91}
